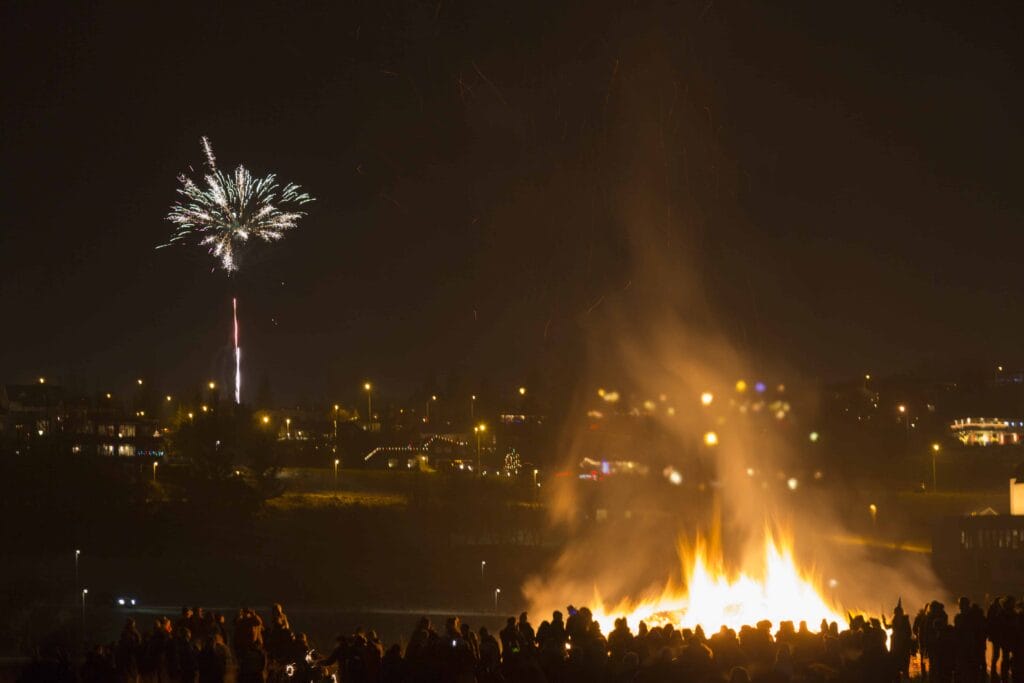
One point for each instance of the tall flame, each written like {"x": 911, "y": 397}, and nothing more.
{"x": 774, "y": 589}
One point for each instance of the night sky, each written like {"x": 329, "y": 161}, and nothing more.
{"x": 847, "y": 178}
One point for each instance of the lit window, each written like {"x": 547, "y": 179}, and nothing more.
{"x": 127, "y": 431}
{"x": 126, "y": 449}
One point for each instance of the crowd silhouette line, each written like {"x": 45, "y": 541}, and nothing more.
{"x": 199, "y": 646}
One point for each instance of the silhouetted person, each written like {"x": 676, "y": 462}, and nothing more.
{"x": 212, "y": 660}
{"x": 252, "y": 661}
{"x": 126, "y": 655}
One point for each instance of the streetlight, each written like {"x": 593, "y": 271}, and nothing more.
{"x": 139, "y": 381}
{"x": 478, "y": 430}
{"x": 535, "y": 471}
{"x": 522, "y": 391}
{"x": 85, "y": 591}
{"x": 472, "y": 407}
{"x": 42, "y": 380}
{"x": 155, "y": 463}
{"x": 288, "y": 427}
{"x": 265, "y": 419}
{"x": 433, "y": 397}
{"x": 483, "y": 564}
{"x": 906, "y": 417}
{"x": 78, "y": 553}
{"x": 497, "y": 592}
{"x": 935, "y": 453}
{"x": 336, "y": 408}
{"x": 336, "y": 463}
{"x": 369, "y": 405}
{"x": 873, "y": 509}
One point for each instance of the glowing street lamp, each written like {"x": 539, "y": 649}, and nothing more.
{"x": 42, "y": 380}
{"x": 935, "y": 479}
{"x": 139, "y": 381}
{"x": 336, "y": 463}
{"x": 497, "y": 592}
{"x": 369, "y": 404}
{"x": 155, "y": 465}
{"x": 336, "y": 408}
{"x": 265, "y": 419}
{"x": 85, "y": 591}
{"x": 78, "y": 553}
{"x": 478, "y": 430}
{"x": 472, "y": 407}
{"x": 288, "y": 427}
{"x": 873, "y": 509}
{"x": 212, "y": 385}
{"x": 906, "y": 417}
{"x": 433, "y": 397}
{"x": 522, "y": 391}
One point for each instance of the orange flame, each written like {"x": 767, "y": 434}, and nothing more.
{"x": 774, "y": 589}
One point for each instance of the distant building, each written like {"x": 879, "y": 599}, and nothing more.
{"x": 441, "y": 452}
{"x": 41, "y": 416}
{"x": 1017, "y": 491}
{"x": 987, "y": 431}
{"x": 983, "y": 553}
{"x": 28, "y": 411}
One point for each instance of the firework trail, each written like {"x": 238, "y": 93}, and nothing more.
{"x": 223, "y": 211}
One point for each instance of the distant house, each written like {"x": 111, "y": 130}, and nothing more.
{"x": 42, "y": 416}
{"x": 30, "y": 410}
{"x": 988, "y": 431}
{"x": 442, "y": 452}
{"x": 983, "y": 553}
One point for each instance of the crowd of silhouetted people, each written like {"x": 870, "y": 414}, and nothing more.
{"x": 973, "y": 645}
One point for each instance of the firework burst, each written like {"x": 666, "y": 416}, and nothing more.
{"x": 223, "y": 211}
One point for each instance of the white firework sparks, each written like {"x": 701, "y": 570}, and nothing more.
{"x": 226, "y": 210}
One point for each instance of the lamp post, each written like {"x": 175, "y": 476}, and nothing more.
{"x": 336, "y": 408}
{"x": 472, "y": 407}
{"x": 935, "y": 480}
{"x": 433, "y": 397}
{"x": 906, "y": 418}
{"x": 336, "y": 463}
{"x": 497, "y": 592}
{"x": 288, "y": 428}
{"x": 155, "y": 464}
{"x": 78, "y": 553}
{"x": 873, "y": 509}
{"x": 478, "y": 430}
{"x": 483, "y": 565}
{"x": 369, "y": 405}
{"x": 85, "y": 591}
